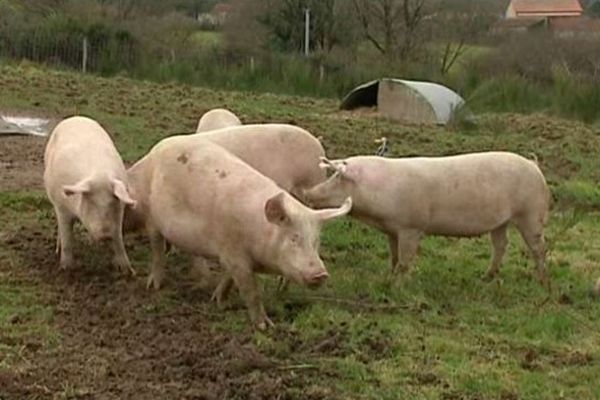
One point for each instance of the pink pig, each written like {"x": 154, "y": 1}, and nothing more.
{"x": 207, "y": 202}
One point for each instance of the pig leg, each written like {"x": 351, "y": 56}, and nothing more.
{"x": 532, "y": 232}
{"x": 408, "y": 244}
{"x": 393, "y": 241}
{"x": 499, "y": 243}
{"x": 120, "y": 259}
{"x": 250, "y": 291}
{"x": 57, "y": 250}
{"x": 65, "y": 238}
{"x": 157, "y": 270}
{"x": 222, "y": 291}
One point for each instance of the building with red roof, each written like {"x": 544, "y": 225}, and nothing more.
{"x": 563, "y": 18}
{"x": 543, "y": 9}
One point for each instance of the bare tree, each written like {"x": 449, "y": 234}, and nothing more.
{"x": 282, "y": 23}
{"x": 126, "y": 7}
{"x": 457, "y": 24}
{"x": 392, "y": 26}
{"x": 243, "y": 30}
{"x": 457, "y": 30}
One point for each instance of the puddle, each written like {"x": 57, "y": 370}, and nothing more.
{"x": 22, "y": 125}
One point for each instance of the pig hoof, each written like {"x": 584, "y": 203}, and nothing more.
{"x": 219, "y": 298}
{"x": 125, "y": 267}
{"x": 489, "y": 276}
{"x": 153, "y": 283}
{"x": 264, "y": 324}
{"x": 128, "y": 270}
{"x": 65, "y": 265}
{"x": 594, "y": 291}
{"x": 545, "y": 282}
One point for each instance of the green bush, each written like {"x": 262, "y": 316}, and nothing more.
{"x": 508, "y": 94}
{"x": 575, "y": 98}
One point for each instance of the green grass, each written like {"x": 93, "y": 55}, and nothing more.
{"x": 25, "y": 321}
{"x": 205, "y": 39}
{"x": 438, "y": 333}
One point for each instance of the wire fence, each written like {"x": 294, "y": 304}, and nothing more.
{"x": 107, "y": 53}
{"x": 77, "y": 51}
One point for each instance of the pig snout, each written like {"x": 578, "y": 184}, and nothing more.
{"x": 316, "y": 279}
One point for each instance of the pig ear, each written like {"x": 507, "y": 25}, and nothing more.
{"x": 275, "y": 210}
{"x": 120, "y": 191}
{"x": 330, "y": 213}
{"x": 80, "y": 187}
{"x": 336, "y": 165}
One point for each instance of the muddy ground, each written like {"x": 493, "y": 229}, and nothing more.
{"x": 116, "y": 340}
{"x": 21, "y": 162}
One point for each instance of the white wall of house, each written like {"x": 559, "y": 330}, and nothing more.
{"x": 510, "y": 11}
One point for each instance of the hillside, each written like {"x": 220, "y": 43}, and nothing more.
{"x": 439, "y": 333}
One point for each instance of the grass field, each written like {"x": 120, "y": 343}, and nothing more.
{"x": 439, "y": 333}
{"x": 206, "y": 39}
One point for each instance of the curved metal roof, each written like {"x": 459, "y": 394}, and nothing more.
{"x": 441, "y": 99}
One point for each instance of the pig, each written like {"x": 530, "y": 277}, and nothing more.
{"x": 287, "y": 154}
{"x": 207, "y": 202}
{"x": 217, "y": 118}
{"x": 461, "y": 196}
{"x": 85, "y": 180}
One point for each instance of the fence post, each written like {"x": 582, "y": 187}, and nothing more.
{"x": 34, "y": 46}
{"x": 306, "y": 31}
{"x": 251, "y": 63}
{"x": 85, "y": 55}
{"x": 321, "y": 73}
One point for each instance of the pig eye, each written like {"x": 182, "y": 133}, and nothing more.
{"x": 295, "y": 239}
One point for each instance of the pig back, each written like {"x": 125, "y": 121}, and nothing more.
{"x": 204, "y": 199}
{"x": 79, "y": 146}
{"x": 287, "y": 154}
{"x": 461, "y": 195}
{"x": 216, "y": 119}
{"x": 472, "y": 193}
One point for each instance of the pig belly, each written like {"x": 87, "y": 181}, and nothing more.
{"x": 465, "y": 224}
{"x": 186, "y": 232}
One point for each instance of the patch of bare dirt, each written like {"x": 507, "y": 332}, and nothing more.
{"x": 360, "y": 111}
{"x": 21, "y": 162}
{"x": 119, "y": 341}
{"x": 572, "y": 358}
